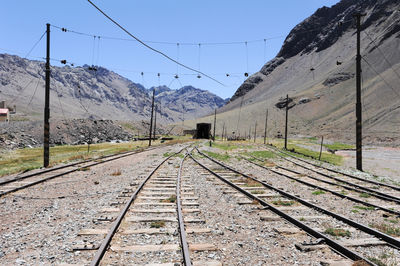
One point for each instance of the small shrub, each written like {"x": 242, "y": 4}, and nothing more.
{"x": 337, "y": 232}
{"x": 171, "y": 199}
{"x": 364, "y": 195}
{"x": 257, "y": 192}
{"x": 318, "y": 192}
{"x": 387, "y": 229}
{"x": 283, "y": 203}
{"x": 157, "y": 224}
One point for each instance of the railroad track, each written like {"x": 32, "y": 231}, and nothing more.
{"x": 13, "y": 184}
{"x": 327, "y": 172}
{"x": 344, "y": 191}
{"x": 358, "y": 241}
{"x": 153, "y": 221}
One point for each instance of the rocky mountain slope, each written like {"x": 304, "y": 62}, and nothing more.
{"x": 79, "y": 92}
{"x": 316, "y": 67}
{"x": 187, "y": 102}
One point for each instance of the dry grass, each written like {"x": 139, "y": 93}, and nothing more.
{"x": 116, "y": 173}
{"x": 22, "y": 160}
{"x": 157, "y": 224}
{"x": 171, "y": 199}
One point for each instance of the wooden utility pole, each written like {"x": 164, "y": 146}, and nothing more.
{"x": 151, "y": 118}
{"x": 223, "y": 132}
{"x": 46, "y": 136}
{"x": 320, "y": 150}
{"x": 266, "y": 124}
{"x": 358, "y": 101}
{"x": 286, "y": 122}
{"x": 155, "y": 120}
{"x": 215, "y": 123}
{"x": 255, "y": 132}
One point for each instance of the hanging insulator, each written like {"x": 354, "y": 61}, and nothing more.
{"x": 158, "y": 74}
{"x": 63, "y": 61}
{"x": 72, "y": 64}
{"x": 141, "y": 73}
{"x": 338, "y": 63}
{"x": 312, "y": 69}
{"x": 198, "y": 76}
{"x": 176, "y": 76}
{"x": 246, "y": 74}
{"x": 227, "y": 75}
{"x": 64, "y": 29}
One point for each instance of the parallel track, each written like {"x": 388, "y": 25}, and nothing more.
{"x": 323, "y": 188}
{"x": 393, "y": 242}
{"x": 277, "y": 151}
{"x": 4, "y": 190}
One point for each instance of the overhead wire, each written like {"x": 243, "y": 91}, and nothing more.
{"x": 383, "y": 79}
{"x": 41, "y": 37}
{"x": 37, "y": 85}
{"x": 151, "y": 48}
{"x": 383, "y": 55}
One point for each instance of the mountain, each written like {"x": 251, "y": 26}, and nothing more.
{"x": 81, "y": 92}
{"x": 316, "y": 68}
{"x": 191, "y": 101}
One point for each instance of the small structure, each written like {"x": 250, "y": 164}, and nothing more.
{"x": 203, "y": 131}
{"x": 4, "y": 115}
{"x": 189, "y": 132}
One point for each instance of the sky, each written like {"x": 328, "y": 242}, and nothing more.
{"x": 216, "y": 37}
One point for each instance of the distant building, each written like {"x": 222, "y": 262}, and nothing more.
{"x": 4, "y": 115}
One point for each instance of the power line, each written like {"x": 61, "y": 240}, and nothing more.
{"x": 383, "y": 55}
{"x": 151, "y": 48}
{"x": 384, "y": 80}
{"x": 41, "y": 37}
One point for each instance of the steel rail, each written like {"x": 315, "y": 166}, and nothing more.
{"x": 68, "y": 172}
{"x": 336, "y": 171}
{"x": 322, "y": 188}
{"x": 388, "y": 239}
{"x": 371, "y": 191}
{"x": 4, "y": 182}
{"x": 107, "y": 240}
{"x": 182, "y": 232}
{"x": 330, "y": 242}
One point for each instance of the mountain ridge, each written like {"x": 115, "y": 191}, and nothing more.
{"x": 81, "y": 92}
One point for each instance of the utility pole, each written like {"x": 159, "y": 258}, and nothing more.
{"x": 286, "y": 122}
{"x": 223, "y": 132}
{"x": 155, "y": 120}
{"x": 266, "y": 124}
{"x": 215, "y": 122}
{"x": 250, "y": 134}
{"x": 255, "y": 132}
{"x": 151, "y": 119}
{"x": 358, "y": 101}
{"x": 46, "y": 136}
{"x": 320, "y": 150}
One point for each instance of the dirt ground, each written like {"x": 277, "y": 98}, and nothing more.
{"x": 380, "y": 161}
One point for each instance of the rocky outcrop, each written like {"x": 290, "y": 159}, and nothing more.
{"x": 76, "y": 131}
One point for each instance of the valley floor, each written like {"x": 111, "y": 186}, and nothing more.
{"x": 380, "y": 161}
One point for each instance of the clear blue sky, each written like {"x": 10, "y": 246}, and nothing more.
{"x": 22, "y": 23}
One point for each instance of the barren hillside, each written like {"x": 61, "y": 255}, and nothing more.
{"x": 316, "y": 67}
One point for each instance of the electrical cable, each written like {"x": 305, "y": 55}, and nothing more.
{"x": 384, "y": 80}
{"x": 37, "y": 85}
{"x": 41, "y": 37}
{"x": 151, "y": 48}
{"x": 383, "y": 55}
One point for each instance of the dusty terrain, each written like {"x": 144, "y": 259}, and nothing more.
{"x": 41, "y": 224}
